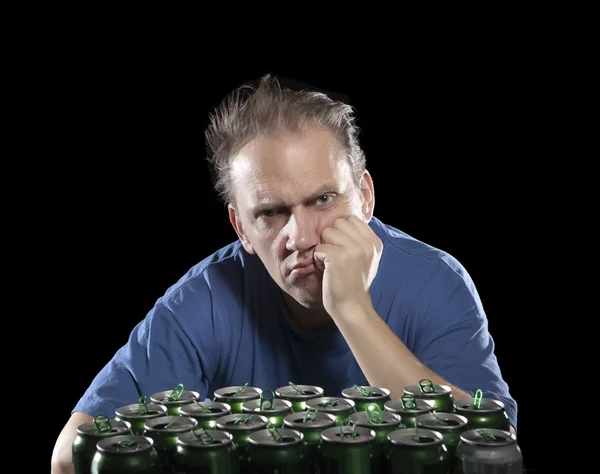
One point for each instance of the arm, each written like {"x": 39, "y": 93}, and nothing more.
{"x": 62, "y": 460}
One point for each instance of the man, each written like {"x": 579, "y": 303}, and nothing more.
{"x": 316, "y": 290}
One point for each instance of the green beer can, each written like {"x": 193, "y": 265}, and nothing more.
{"x": 346, "y": 449}
{"x": 439, "y": 396}
{"x": 382, "y": 423}
{"x": 241, "y": 426}
{"x": 175, "y": 399}
{"x": 131, "y": 454}
{"x": 363, "y": 396}
{"x": 416, "y": 451}
{"x": 299, "y": 394}
{"x": 450, "y": 425}
{"x": 408, "y": 408}
{"x": 483, "y": 412}
{"x": 138, "y": 413}
{"x": 88, "y": 435}
{"x": 274, "y": 409}
{"x": 164, "y": 431}
{"x": 206, "y": 413}
{"x": 488, "y": 451}
{"x": 276, "y": 451}
{"x": 341, "y": 408}
{"x": 311, "y": 423}
{"x": 236, "y": 395}
{"x": 207, "y": 452}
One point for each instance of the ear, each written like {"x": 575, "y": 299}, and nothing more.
{"x": 239, "y": 230}
{"x": 368, "y": 196}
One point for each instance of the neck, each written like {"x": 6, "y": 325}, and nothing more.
{"x": 311, "y": 319}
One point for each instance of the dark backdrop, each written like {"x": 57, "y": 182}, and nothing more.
{"x": 132, "y": 207}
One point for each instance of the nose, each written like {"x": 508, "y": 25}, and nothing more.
{"x": 302, "y": 231}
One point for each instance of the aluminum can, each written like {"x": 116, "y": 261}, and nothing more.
{"x": 129, "y": 454}
{"x": 138, "y": 413}
{"x": 363, "y": 396}
{"x": 276, "y": 451}
{"x": 88, "y": 435}
{"x": 346, "y": 449}
{"x": 483, "y": 413}
{"x": 236, "y": 395}
{"x": 488, "y": 451}
{"x": 382, "y": 423}
{"x": 416, "y": 451}
{"x": 311, "y": 423}
{"x": 207, "y": 452}
{"x": 341, "y": 408}
{"x": 439, "y": 396}
{"x": 241, "y": 426}
{"x": 450, "y": 425}
{"x": 274, "y": 409}
{"x": 408, "y": 408}
{"x": 299, "y": 394}
{"x": 206, "y": 413}
{"x": 175, "y": 399}
{"x": 164, "y": 431}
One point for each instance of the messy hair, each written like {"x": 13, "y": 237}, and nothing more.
{"x": 250, "y": 112}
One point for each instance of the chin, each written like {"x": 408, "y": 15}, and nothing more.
{"x": 306, "y": 295}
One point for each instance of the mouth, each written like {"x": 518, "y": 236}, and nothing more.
{"x": 302, "y": 269}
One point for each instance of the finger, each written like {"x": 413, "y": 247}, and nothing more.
{"x": 366, "y": 231}
{"x": 325, "y": 253}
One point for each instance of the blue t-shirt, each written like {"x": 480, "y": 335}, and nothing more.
{"x": 224, "y": 323}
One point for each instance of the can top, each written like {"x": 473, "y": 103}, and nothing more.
{"x": 205, "y": 409}
{"x": 237, "y": 392}
{"x": 364, "y": 392}
{"x": 421, "y": 391}
{"x": 415, "y": 437}
{"x": 309, "y": 420}
{"x": 205, "y": 439}
{"x": 441, "y": 421}
{"x": 376, "y": 420}
{"x": 485, "y": 405}
{"x": 299, "y": 392}
{"x": 331, "y": 404}
{"x": 276, "y": 438}
{"x": 242, "y": 422}
{"x": 171, "y": 424}
{"x": 104, "y": 429}
{"x": 279, "y": 406}
{"x": 125, "y": 444}
{"x": 132, "y": 412}
{"x": 490, "y": 437}
{"x": 165, "y": 398}
{"x": 413, "y": 408}
{"x": 348, "y": 434}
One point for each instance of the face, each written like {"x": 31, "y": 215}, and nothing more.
{"x": 288, "y": 189}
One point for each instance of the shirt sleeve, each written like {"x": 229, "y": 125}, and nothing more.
{"x": 173, "y": 344}
{"x": 454, "y": 339}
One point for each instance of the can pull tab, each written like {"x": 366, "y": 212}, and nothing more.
{"x": 176, "y": 393}
{"x": 362, "y": 391}
{"x": 416, "y": 434}
{"x": 478, "y": 398}
{"x": 143, "y": 406}
{"x": 374, "y": 414}
{"x": 439, "y": 419}
{"x": 408, "y": 402}
{"x": 267, "y": 404}
{"x": 171, "y": 423}
{"x": 203, "y": 409}
{"x": 243, "y": 420}
{"x": 348, "y": 427}
{"x": 274, "y": 432}
{"x": 330, "y": 403}
{"x": 240, "y": 390}
{"x": 102, "y": 424}
{"x": 126, "y": 443}
{"x": 298, "y": 389}
{"x": 486, "y": 435}
{"x": 310, "y": 415}
{"x": 203, "y": 436}
{"x": 426, "y": 386}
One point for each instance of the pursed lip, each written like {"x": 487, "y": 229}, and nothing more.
{"x": 301, "y": 265}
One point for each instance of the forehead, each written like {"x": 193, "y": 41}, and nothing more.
{"x": 289, "y": 167}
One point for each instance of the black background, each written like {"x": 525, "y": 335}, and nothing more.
{"x": 448, "y": 138}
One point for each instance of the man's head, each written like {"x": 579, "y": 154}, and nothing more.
{"x": 288, "y": 164}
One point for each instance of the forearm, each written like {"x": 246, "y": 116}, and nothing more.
{"x": 383, "y": 357}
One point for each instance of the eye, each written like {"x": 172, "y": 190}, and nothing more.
{"x": 324, "y": 199}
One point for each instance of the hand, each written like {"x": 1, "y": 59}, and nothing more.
{"x": 349, "y": 257}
